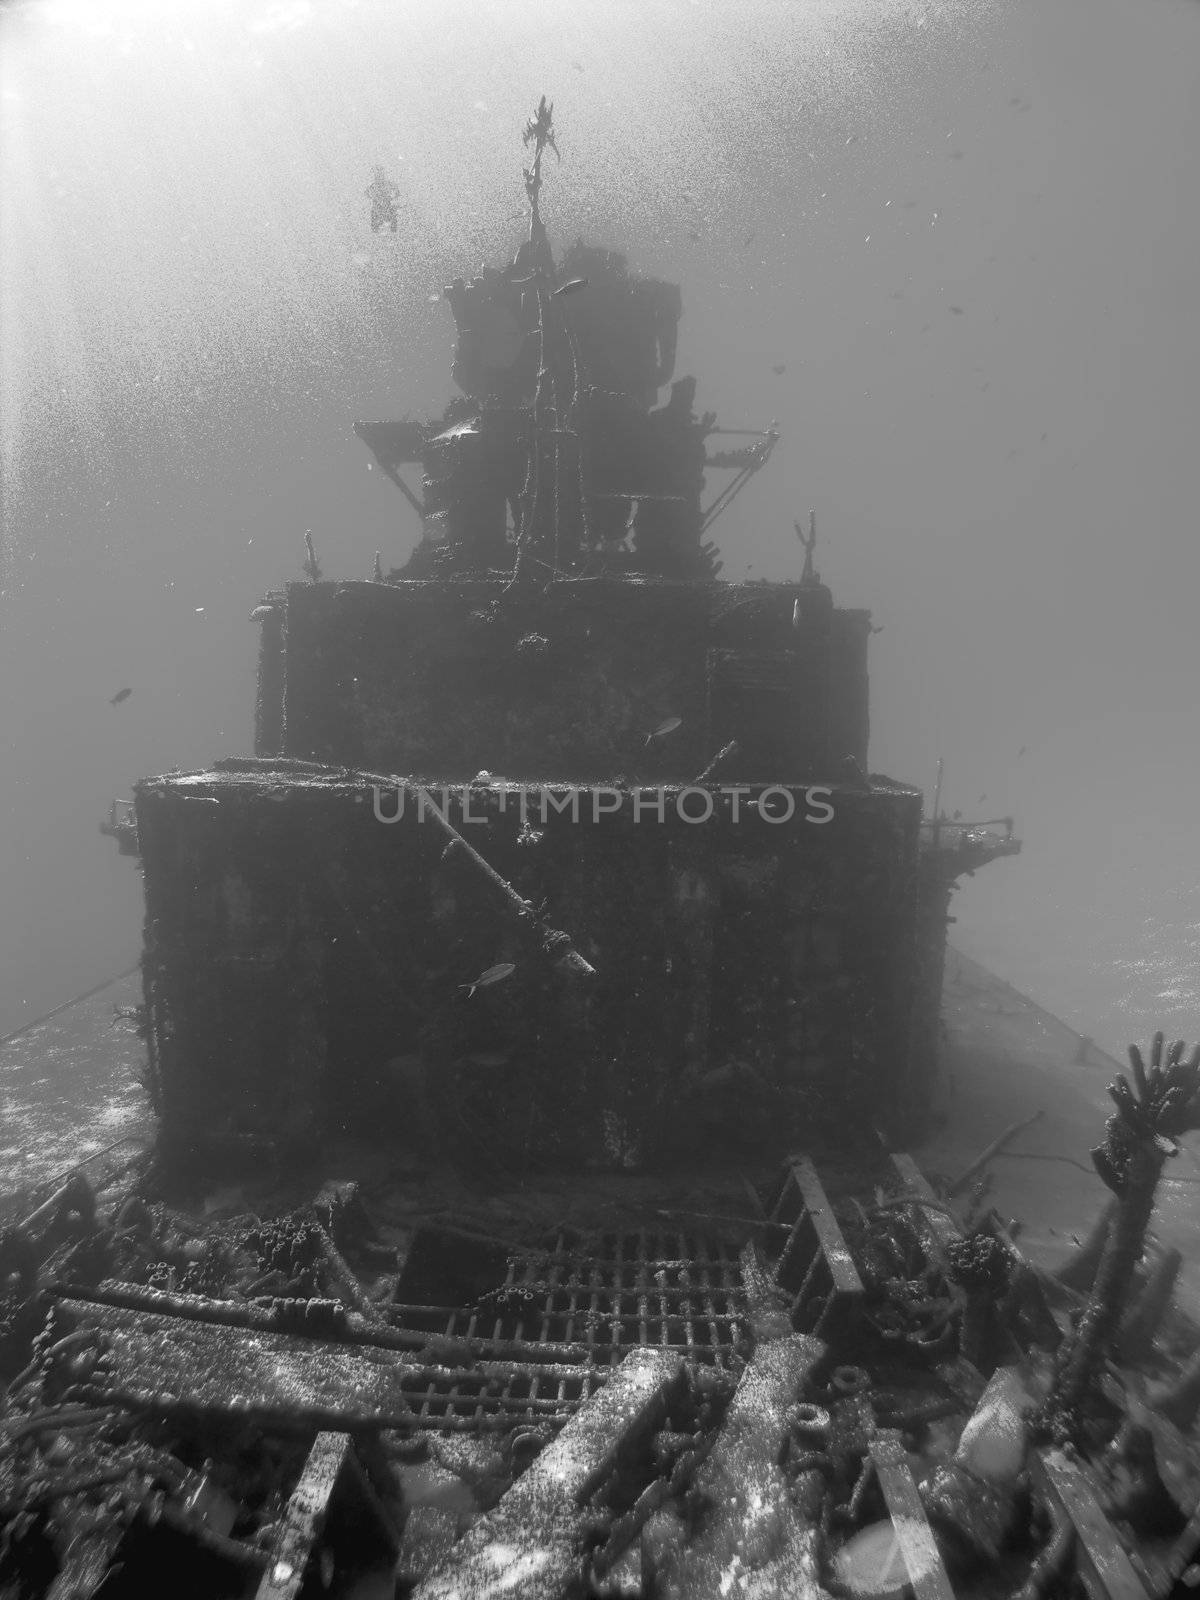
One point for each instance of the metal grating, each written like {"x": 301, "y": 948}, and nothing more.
{"x": 573, "y": 1317}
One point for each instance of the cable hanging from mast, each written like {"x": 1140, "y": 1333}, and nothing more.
{"x": 749, "y": 460}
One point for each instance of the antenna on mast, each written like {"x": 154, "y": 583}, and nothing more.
{"x": 539, "y": 131}
{"x": 810, "y": 544}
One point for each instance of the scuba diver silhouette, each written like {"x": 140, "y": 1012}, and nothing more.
{"x": 383, "y": 195}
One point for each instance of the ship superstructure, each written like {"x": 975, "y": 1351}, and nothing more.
{"x": 553, "y": 742}
{"x": 559, "y": 879}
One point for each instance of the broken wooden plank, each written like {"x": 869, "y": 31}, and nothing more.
{"x": 815, "y": 1265}
{"x": 87, "y": 1561}
{"x": 164, "y": 1365}
{"x": 922, "y": 1558}
{"x": 1104, "y": 1564}
{"x": 533, "y": 1544}
{"x": 450, "y": 1384}
{"x": 833, "y": 1242}
{"x": 303, "y": 1518}
{"x": 939, "y": 1229}
{"x": 754, "y": 1539}
{"x": 1177, "y": 1459}
{"x": 306, "y": 1540}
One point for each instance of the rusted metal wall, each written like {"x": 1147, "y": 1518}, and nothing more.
{"x": 305, "y": 962}
{"x": 441, "y": 679}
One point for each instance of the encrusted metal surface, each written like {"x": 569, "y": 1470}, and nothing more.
{"x": 533, "y": 1348}
{"x": 815, "y": 1266}
{"x": 531, "y": 1547}
{"x": 669, "y": 1291}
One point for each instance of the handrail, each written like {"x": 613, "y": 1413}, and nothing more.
{"x": 27, "y": 1027}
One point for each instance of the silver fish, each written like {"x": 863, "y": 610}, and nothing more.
{"x": 493, "y": 975}
{"x": 664, "y": 728}
{"x": 571, "y": 287}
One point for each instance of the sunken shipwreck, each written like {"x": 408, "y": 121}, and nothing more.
{"x": 572, "y": 989}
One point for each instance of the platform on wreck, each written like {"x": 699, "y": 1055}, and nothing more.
{"x": 69, "y": 1094}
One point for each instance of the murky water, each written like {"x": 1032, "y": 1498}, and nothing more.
{"x": 909, "y": 232}
{"x": 1010, "y": 1059}
{"x": 70, "y": 1090}
{"x": 1115, "y": 950}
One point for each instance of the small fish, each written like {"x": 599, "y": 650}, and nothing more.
{"x": 572, "y": 287}
{"x": 780, "y": 369}
{"x": 796, "y": 623}
{"x": 493, "y": 975}
{"x": 692, "y": 234}
{"x": 121, "y": 694}
{"x": 664, "y": 728}
{"x": 260, "y": 613}
{"x": 957, "y": 310}
{"x": 981, "y": 799}
{"x": 1020, "y": 752}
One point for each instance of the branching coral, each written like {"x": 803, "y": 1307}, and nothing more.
{"x": 1162, "y": 1105}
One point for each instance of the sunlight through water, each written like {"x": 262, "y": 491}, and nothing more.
{"x": 182, "y": 182}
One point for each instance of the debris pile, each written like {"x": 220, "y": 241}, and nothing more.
{"x": 850, "y": 1399}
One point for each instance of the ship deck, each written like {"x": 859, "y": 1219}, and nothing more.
{"x": 69, "y": 1094}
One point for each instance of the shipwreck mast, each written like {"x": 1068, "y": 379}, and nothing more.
{"x": 559, "y": 426}
{"x": 539, "y": 528}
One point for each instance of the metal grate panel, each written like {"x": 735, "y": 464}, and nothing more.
{"x": 577, "y": 1315}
